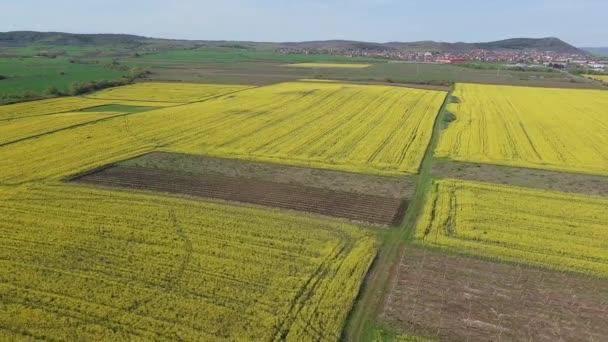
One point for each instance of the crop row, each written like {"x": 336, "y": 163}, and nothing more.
{"x": 370, "y": 129}
{"x": 64, "y": 105}
{"x": 166, "y": 92}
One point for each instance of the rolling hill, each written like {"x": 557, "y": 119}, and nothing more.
{"x": 26, "y": 38}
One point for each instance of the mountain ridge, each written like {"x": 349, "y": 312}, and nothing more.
{"x": 23, "y": 38}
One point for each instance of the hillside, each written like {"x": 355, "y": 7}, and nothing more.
{"x": 540, "y": 44}
{"x": 596, "y": 50}
{"x": 58, "y": 39}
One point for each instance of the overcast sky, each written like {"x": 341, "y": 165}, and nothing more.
{"x": 580, "y": 22}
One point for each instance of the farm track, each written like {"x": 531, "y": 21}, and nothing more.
{"x": 346, "y": 205}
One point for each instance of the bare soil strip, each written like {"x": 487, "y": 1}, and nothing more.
{"x": 455, "y": 298}
{"x": 382, "y": 186}
{"x": 347, "y": 205}
{"x": 523, "y": 177}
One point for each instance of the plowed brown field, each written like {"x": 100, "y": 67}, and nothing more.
{"x": 351, "y": 206}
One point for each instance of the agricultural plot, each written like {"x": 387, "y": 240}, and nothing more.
{"x": 166, "y": 92}
{"x": 64, "y": 105}
{"x": 329, "y": 65}
{"x": 389, "y": 187}
{"x": 555, "y": 129}
{"x": 369, "y": 129}
{"x": 18, "y": 129}
{"x": 455, "y": 298}
{"x": 547, "y": 229}
{"x": 132, "y": 266}
{"x": 602, "y": 78}
{"x": 192, "y": 176}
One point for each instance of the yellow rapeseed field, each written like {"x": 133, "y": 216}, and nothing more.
{"x": 329, "y": 65}
{"x": 370, "y": 129}
{"x": 603, "y": 78}
{"x": 556, "y": 129}
{"x": 90, "y": 264}
{"x": 555, "y": 230}
{"x": 17, "y": 129}
{"x": 128, "y": 266}
{"x": 166, "y": 92}
{"x": 55, "y": 156}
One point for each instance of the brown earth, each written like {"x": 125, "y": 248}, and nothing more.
{"x": 522, "y": 177}
{"x": 382, "y": 186}
{"x": 456, "y": 298}
{"x": 347, "y": 205}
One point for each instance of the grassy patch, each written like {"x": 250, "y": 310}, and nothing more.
{"x": 329, "y": 65}
{"x": 36, "y": 76}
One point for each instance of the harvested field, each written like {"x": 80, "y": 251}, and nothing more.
{"x": 356, "y": 128}
{"x": 454, "y": 298}
{"x": 19, "y": 129}
{"x": 523, "y": 177}
{"x": 65, "y": 105}
{"x": 351, "y": 206}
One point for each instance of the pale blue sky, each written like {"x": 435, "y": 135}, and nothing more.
{"x": 580, "y": 22}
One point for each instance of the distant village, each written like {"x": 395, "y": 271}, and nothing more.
{"x": 530, "y": 58}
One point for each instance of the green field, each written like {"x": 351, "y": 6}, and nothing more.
{"x": 240, "y": 55}
{"x": 36, "y": 75}
{"x": 236, "y": 66}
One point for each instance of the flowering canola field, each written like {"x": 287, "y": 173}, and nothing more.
{"x": 130, "y": 266}
{"x": 369, "y": 129}
{"x": 166, "y": 92}
{"x": 64, "y": 105}
{"x": 555, "y": 230}
{"x": 90, "y": 264}
{"x": 556, "y": 129}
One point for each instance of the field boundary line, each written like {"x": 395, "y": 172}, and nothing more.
{"x": 374, "y": 291}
